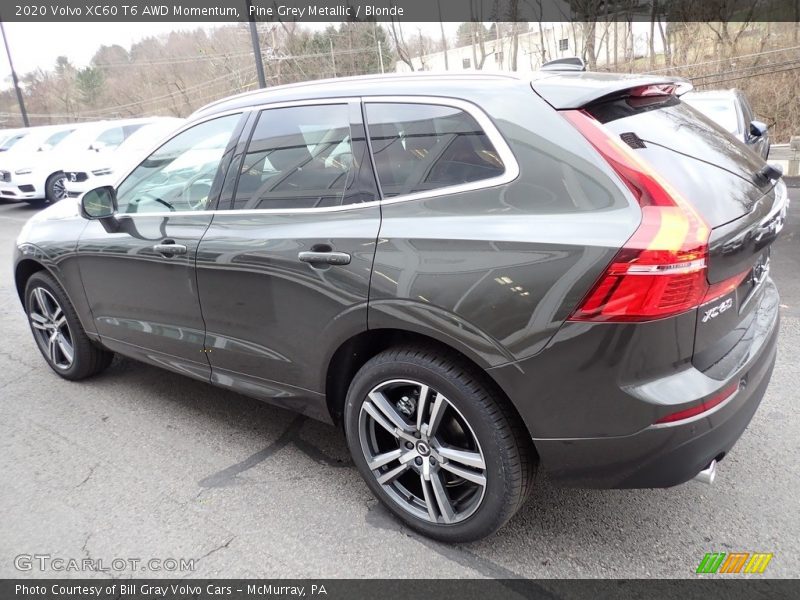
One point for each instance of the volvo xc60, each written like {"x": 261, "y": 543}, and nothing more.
{"x": 475, "y": 276}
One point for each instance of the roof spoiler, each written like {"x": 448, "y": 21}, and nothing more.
{"x": 572, "y": 63}
{"x": 571, "y": 90}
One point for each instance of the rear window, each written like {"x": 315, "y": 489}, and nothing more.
{"x": 707, "y": 164}
{"x": 424, "y": 147}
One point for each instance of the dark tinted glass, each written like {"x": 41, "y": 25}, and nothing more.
{"x": 301, "y": 157}
{"x": 422, "y": 147}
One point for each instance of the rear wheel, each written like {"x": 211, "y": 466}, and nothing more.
{"x": 55, "y": 187}
{"x": 437, "y": 444}
{"x": 58, "y": 332}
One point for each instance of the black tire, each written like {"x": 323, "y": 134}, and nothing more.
{"x": 53, "y": 193}
{"x": 87, "y": 358}
{"x": 501, "y": 438}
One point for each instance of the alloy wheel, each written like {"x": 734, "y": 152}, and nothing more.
{"x": 60, "y": 188}
{"x": 422, "y": 451}
{"x": 51, "y": 329}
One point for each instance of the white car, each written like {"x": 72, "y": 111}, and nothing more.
{"x": 85, "y": 172}
{"x": 33, "y": 170}
{"x": 21, "y": 157}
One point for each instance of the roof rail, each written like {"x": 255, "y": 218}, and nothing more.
{"x": 572, "y": 63}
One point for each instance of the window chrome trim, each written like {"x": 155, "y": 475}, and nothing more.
{"x": 487, "y": 125}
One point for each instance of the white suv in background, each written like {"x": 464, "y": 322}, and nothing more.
{"x": 21, "y": 157}
{"x": 35, "y": 172}
{"x": 84, "y": 172}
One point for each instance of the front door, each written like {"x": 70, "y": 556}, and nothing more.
{"x": 138, "y": 271}
{"x": 283, "y": 271}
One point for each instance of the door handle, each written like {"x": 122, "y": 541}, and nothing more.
{"x": 331, "y": 258}
{"x": 170, "y": 249}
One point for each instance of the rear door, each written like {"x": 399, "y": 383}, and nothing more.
{"x": 283, "y": 271}
{"x": 732, "y": 191}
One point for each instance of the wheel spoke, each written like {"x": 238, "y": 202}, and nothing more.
{"x": 57, "y": 315}
{"x": 39, "y": 322}
{"x": 422, "y": 404}
{"x": 465, "y": 473}
{"x": 429, "y": 498}
{"x": 382, "y": 404}
{"x": 465, "y": 457}
{"x": 382, "y": 459}
{"x": 378, "y": 417}
{"x": 38, "y": 293}
{"x": 437, "y": 412}
{"x": 66, "y": 348}
{"x": 52, "y": 347}
{"x": 442, "y": 501}
{"x": 393, "y": 474}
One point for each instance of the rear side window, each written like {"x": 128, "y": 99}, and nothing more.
{"x": 424, "y": 147}
{"x": 301, "y": 157}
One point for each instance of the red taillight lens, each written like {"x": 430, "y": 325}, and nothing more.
{"x": 704, "y": 406}
{"x": 661, "y": 270}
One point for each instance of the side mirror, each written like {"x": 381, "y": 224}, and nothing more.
{"x": 97, "y": 146}
{"x": 99, "y": 203}
{"x": 757, "y": 129}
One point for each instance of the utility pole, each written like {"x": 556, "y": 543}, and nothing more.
{"x": 15, "y": 79}
{"x": 262, "y": 81}
{"x": 378, "y": 44}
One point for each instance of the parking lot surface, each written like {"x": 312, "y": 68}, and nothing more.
{"x": 139, "y": 463}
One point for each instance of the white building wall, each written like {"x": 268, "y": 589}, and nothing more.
{"x": 559, "y": 40}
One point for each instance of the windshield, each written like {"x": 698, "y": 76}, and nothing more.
{"x": 38, "y": 139}
{"x": 11, "y": 141}
{"x": 721, "y": 110}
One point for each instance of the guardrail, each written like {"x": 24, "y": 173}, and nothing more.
{"x": 787, "y": 156}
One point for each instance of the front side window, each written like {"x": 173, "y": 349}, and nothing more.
{"x": 301, "y": 157}
{"x": 423, "y": 147}
{"x": 179, "y": 175}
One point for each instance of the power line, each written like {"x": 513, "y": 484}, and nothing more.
{"x": 785, "y": 70}
{"x": 711, "y": 62}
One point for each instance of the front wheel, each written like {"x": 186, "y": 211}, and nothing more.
{"x": 55, "y": 187}
{"x": 437, "y": 444}
{"x": 58, "y": 331}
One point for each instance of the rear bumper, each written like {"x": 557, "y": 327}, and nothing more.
{"x": 661, "y": 455}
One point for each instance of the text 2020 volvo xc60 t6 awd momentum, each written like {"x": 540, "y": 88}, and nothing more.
{"x": 472, "y": 275}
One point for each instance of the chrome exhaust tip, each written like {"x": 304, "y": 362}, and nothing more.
{"x": 708, "y": 474}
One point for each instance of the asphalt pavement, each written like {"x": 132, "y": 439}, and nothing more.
{"x": 139, "y": 463}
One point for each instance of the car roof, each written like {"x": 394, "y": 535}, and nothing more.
{"x": 564, "y": 87}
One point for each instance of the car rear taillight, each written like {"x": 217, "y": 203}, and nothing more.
{"x": 701, "y": 408}
{"x": 661, "y": 270}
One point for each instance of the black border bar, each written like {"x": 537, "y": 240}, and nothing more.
{"x": 200, "y": 11}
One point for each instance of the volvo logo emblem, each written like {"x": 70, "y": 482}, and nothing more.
{"x": 423, "y": 448}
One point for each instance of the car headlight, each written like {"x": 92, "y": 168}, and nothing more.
{"x": 23, "y": 171}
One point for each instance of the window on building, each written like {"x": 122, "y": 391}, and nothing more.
{"x": 465, "y": 63}
{"x": 563, "y": 44}
{"x": 424, "y": 147}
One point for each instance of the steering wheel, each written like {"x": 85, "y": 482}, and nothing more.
{"x": 195, "y": 193}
